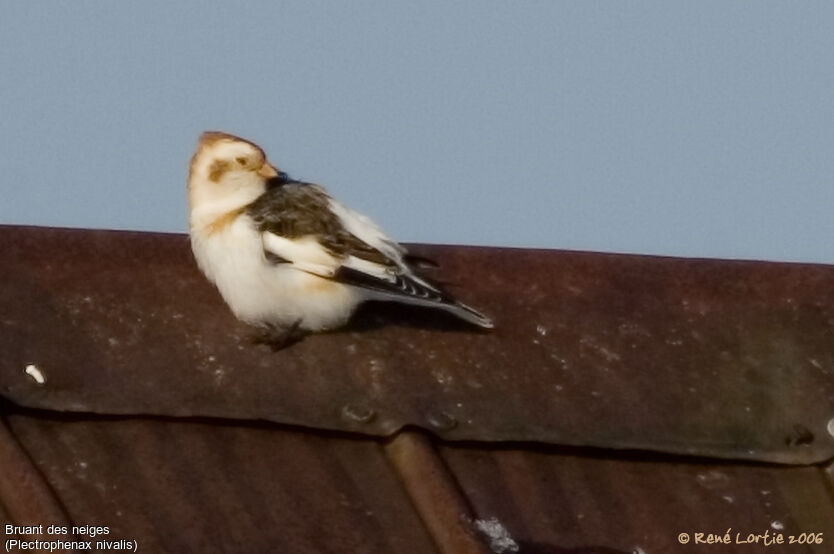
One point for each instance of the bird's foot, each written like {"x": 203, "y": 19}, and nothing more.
{"x": 278, "y": 337}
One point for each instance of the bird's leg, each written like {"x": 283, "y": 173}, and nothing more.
{"x": 277, "y": 337}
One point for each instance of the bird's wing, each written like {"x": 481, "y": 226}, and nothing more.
{"x": 301, "y": 225}
{"x": 368, "y": 232}
{"x": 391, "y": 279}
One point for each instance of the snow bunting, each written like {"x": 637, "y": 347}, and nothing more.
{"x": 287, "y": 257}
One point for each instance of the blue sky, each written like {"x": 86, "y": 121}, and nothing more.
{"x": 677, "y": 128}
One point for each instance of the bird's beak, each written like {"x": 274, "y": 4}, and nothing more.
{"x": 267, "y": 171}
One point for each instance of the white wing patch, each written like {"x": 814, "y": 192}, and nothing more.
{"x": 371, "y": 268}
{"x": 305, "y": 253}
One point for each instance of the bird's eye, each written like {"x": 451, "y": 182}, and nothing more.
{"x": 241, "y": 161}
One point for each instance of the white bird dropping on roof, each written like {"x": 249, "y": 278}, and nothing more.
{"x": 287, "y": 257}
{"x": 35, "y": 373}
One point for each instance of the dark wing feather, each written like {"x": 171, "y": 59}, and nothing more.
{"x": 402, "y": 285}
{"x": 295, "y": 209}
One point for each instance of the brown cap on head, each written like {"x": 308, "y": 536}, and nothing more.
{"x": 210, "y": 137}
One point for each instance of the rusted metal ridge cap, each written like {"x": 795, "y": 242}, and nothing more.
{"x": 716, "y": 358}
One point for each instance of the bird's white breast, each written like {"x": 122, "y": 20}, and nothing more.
{"x": 259, "y": 291}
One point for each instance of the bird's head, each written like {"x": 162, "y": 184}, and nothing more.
{"x": 224, "y": 165}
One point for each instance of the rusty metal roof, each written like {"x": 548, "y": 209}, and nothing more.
{"x": 409, "y": 432}
{"x": 209, "y": 487}
{"x": 178, "y": 485}
{"x": 714, "y": 358}
{"x": 641, "y": 504}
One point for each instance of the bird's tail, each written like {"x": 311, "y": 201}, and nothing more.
{"x": 411, "y": 289}
{"x": 468, "y": 314}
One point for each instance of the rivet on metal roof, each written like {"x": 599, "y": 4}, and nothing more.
{"x": 358, "y": 413}
{"x": 442, "y": 421}
{"x": 35, "y": 373}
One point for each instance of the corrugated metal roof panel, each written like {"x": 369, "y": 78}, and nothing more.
{"x": 705, "y": 357}
{"x": 561, "y": 502}
{"x": 184, "y": 486}
{"x": 25, "y": 497}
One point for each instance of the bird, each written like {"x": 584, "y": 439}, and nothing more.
{"x": 287, "y": 258}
